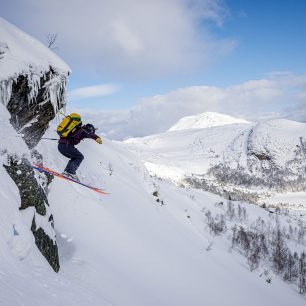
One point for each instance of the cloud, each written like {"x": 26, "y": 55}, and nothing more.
{"x": 279, "y": 96}
{"x": 93, "y": 91}
{"x": 139, "y": 38}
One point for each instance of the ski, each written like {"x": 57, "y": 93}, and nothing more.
{"x": 47, "y": 170}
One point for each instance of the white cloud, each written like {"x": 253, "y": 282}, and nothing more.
{"x": 93, "y": 91}
{"x": 131, "y": 38}
{"x": 256, "y": 100}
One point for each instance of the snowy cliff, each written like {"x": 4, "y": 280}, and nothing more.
{"x": 32, "y": 82}
{"x": 32, "y": 90}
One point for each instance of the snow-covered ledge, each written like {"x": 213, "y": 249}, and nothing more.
{"x": 32, "y": 82}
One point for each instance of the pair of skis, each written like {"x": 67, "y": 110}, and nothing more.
{"x": 54, "y": 173}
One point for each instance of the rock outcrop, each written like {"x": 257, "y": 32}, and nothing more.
{"x": 32, "y": 88}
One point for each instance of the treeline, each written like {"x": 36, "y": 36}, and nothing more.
{"x": 262, "y": 242}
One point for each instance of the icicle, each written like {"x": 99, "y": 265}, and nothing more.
{"x": 54, "y": 85}
{"x": 54, "y": 90}
{"x": 6, "y": 91}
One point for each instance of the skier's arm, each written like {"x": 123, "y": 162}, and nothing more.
{"x": 92, "y": 136}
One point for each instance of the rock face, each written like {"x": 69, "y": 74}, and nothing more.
{"x": 33, "y": 195}
{"x": 32, "y": 88}
{"x": 31, "y": 118}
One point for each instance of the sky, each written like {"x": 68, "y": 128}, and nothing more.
{"x": 148, "y": 63}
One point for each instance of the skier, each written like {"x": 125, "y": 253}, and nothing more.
{"x": 66, "y": 146}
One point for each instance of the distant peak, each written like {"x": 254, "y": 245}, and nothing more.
{"x": 205, "y": 120}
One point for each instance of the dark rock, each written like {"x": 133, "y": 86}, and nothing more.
{"x": 32, "y": 195}
{"x": 46, "y": 246}
{"x": 261, "y": 156}
{"x": 38, "y": 112}
{"x": 155, "y": 193}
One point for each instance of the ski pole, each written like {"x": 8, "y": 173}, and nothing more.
{"x": 60, "y": 112}
{"x": 49, "y": 138}
{"x": 42, "y": 138}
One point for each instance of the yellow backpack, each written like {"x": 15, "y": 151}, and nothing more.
{"x": 68, "y": 124}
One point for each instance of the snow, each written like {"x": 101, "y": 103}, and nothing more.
{"x": 11, "y": 141}
{"x": 190, "y": 151}
{"x": 205, "y": 120}
{"x": 126, "y": 248}
{"x": 21, "y": 54}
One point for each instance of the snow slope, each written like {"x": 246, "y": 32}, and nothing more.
{"x": 21, "y": 53}
{"x": 205, "y": 120}
{"x": 126, "y": 248}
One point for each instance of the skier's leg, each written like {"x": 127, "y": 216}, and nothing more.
{"x": 76, "y": 157}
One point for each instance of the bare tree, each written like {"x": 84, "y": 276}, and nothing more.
{"x": 280, "y": 251}
{"x": 302, "y": 273}
{"x": 51, "y": 39}
{"x": 230, "y": 212}
{"x": 301, "y": 232}
{"x": 291, "y": 268}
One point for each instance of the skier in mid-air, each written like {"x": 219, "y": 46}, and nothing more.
{"x": 71, "y": 133}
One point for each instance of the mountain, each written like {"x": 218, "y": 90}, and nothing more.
{"x": 148, "y": 242}
{"x": 244, "y": 161}
{"x": 205, "y": 120}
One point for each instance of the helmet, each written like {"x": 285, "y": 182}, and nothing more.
{"x": 89, "y": 128}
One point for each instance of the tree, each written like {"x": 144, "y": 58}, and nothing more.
{"x": 301, "y": 232}
{"x": 291, "y": 269}
{"x": 254, "y": 256}
{"x": 302, "y": 273}
{"x": 280, "y": 251}
{"x": 243, "y": 240}
{"x": 51, "y": 39}
{"x": 230, "y": 212}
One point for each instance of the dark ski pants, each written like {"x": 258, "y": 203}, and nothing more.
{"x": 76, "y": 157}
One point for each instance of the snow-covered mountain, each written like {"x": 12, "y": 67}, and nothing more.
{"x": 148, "y": 242}
{"x": 205, "y": 120}
{"x": 240, "y": 160}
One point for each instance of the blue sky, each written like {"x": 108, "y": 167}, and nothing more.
{"x": 268, "y": 36}
{"x": 243, "y": 58}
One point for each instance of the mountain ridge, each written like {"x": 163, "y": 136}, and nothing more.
{"x": 205, "y": 120}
